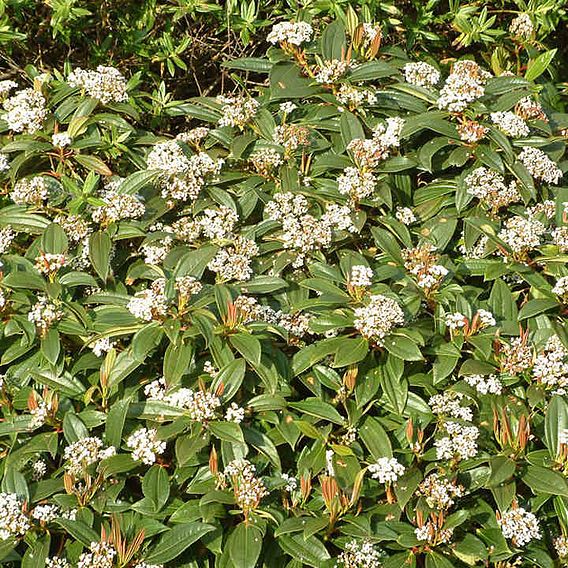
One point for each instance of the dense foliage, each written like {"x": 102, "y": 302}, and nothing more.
{"x": 316, "y": 321}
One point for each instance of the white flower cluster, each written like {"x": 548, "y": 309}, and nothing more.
{"x": 539, "y": 165}
{"x": 291, "y": 482}
{"x": 61, "y": 140}
{"x": 464, "y": 84}
{"x": 433, "y": 534}
{"x": 440, "y": 493}
{"x": 292, "y": 136}
{"x": 146, "y": 565}
{"x": 218, "y": 223}
{"x": 377, "y": 319}
{"x": 294, "y": 33}
{"x": 145, "y": 445}
{"x": 25, "y": 111}
{"x": 386, "y": 470}
{"x": 85, "y": 452}
{"x": 187, "y": 286}
{"x": 106, "y": 84}
{"x": 200, "y": 405}
{"x": 248, "y": 488}
{"x": 13, "y": 520}
{"x": 233, "y": 262}
{"x": 7, "y": 236}
{"x": 301, "y": 231}
{"x": 237, "y": 111}
{"x": 485, "y": 385}
{"x": 421, "y": 262}
{"x": 560, "y": 238}
{"x": 235, "y": 413}
{"x": 101, "y": 555}
{"x": 561, "y": 546}
{"x": 4, "y": 163}
{"x": 117, "y": 206}
{"x": 46, "y": 513}
{"x": 449, "y": 404}
{"x": 359, "y": 554}
{"x": 48, "y": 263}
{"x": 490, "y": 188}
{"x": 460, "y": 442}
{"x": 361, "y": 276}
{"x": 194, "y": 136}
{"x": 510, "y": 124}
{"x": 421, "y": 74}
{"x": 150, "y": 303}
{"x": 405, "y": 215}
{"x": 522, "y": 27}
{"x": 57, "y": 562}
{"x": 355, "y": 183}
{"x": 331, "y": 71}
{"x": 6, "y": 86}
{"x": 517, "y": 356}
{"x": 355, "y": 97}
{"x": 156, "y": 253}
{"x": 522, "y": 234}
{"x": 102, "y": 346}
{"x": 551, "y": 364}
{"x": 520, "y": 526}
{"x": 471, "y": 131}
{"x": 266, "y": 160}
{"x": 529, "y": 109}
{"x": 29, "y": 191}
{"x": 561, "y": 286}
{"x": 44, "y": 314}
{"x": 182, "y": 177}
{"x": 455, "y": 321}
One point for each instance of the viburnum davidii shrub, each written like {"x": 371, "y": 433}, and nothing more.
{"x": 323, "y": 327}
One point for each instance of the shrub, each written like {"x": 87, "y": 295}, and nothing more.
{"x": 324, "y": 326}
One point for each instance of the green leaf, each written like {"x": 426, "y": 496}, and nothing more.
{"x": 308, "y": 551}
{"x": 351, "y": 351}
{"x": 555, "y": 422}
{"x": 402, "y": 347}
{"x": 54, "y": 240}
{"x": 333, "y": 41}
{"x": 244, "y": 545}
{"x": 544, "y": 480}
{"x": 93, "y": 164}
{"x": 538, "y": 66}
{"x": 318, "y": 408}
{"x": 100, "y": 245}
{"x": 535, "y": 307}
{"x": 156, "y": 486}
{"x": 51, "y": 346}
{"x": 227, "y": 431}
{"x": 176, "y": 540}
{"x": 248, "y": 346}
{"x": 79, "y": 530}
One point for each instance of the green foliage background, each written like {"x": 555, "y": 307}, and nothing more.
{"x": 321, "y": 404}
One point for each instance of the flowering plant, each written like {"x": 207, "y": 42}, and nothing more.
{"x": 323, "y": 326}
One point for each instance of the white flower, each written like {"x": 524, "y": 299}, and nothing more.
{"x": 460, "y": 443}
{"x": 102, "y": 346}
{"x": 117, "y": 206}
{"x": 29, "y": 191}
{"x": 106, "y": 84}
{"x": 150, "y": 303}
{"x": 520, "y": 526}
{"x": 57, "y": 562}
{"x": 291, "y": 482}
{"x": 235, "y": 413}
{"x": 439, "y": 492}
{"x": 200, "y": 405}
{"x": 376, "y": 320}
{"x": 330, "y": 469}
{"x": 405, "y": 215}
{"x": 551, "y": 365}
{"x": 145, "y": 445}
{"x": 25, "y": 111}
{"x": 464, "y": 85}
{"x": 330, "y": 71}
{"x": 4, "y": 163}
{"x": 61, "y": 140}
{"x": 510, "y": 124}
{"x": 561, "y": 546}
{"x": 359, "y": 554}
{"x": 421, "y": 74}
{"x": 46, "y": 513}
{"x": 449, "y": 404}
{"x": 386, "y": 470}
{"x": 44, "y": 314}
{"x": 361, "y": 276}
{"x": 455, "y": 321}
{"x": 288, "y": 107}
{"x": 237, "y": 111}
{"x": 522, "y": 234}
{"x": 13, "y": 521}
{"x": 85, "y": 452}
{"x": 522, "y": 26}
{"x": 485, "y": 385}
{"x": 294, "y": 33}
{"x": 561, "y": 286}
{"x": 101, "y": 555}
{"x": 540, "y": 166}
{"x": 355, "y": 97}
{"x": 489, "y": 187}
{"x": 355, "y": 183}
{"x": 485, "y": 318}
